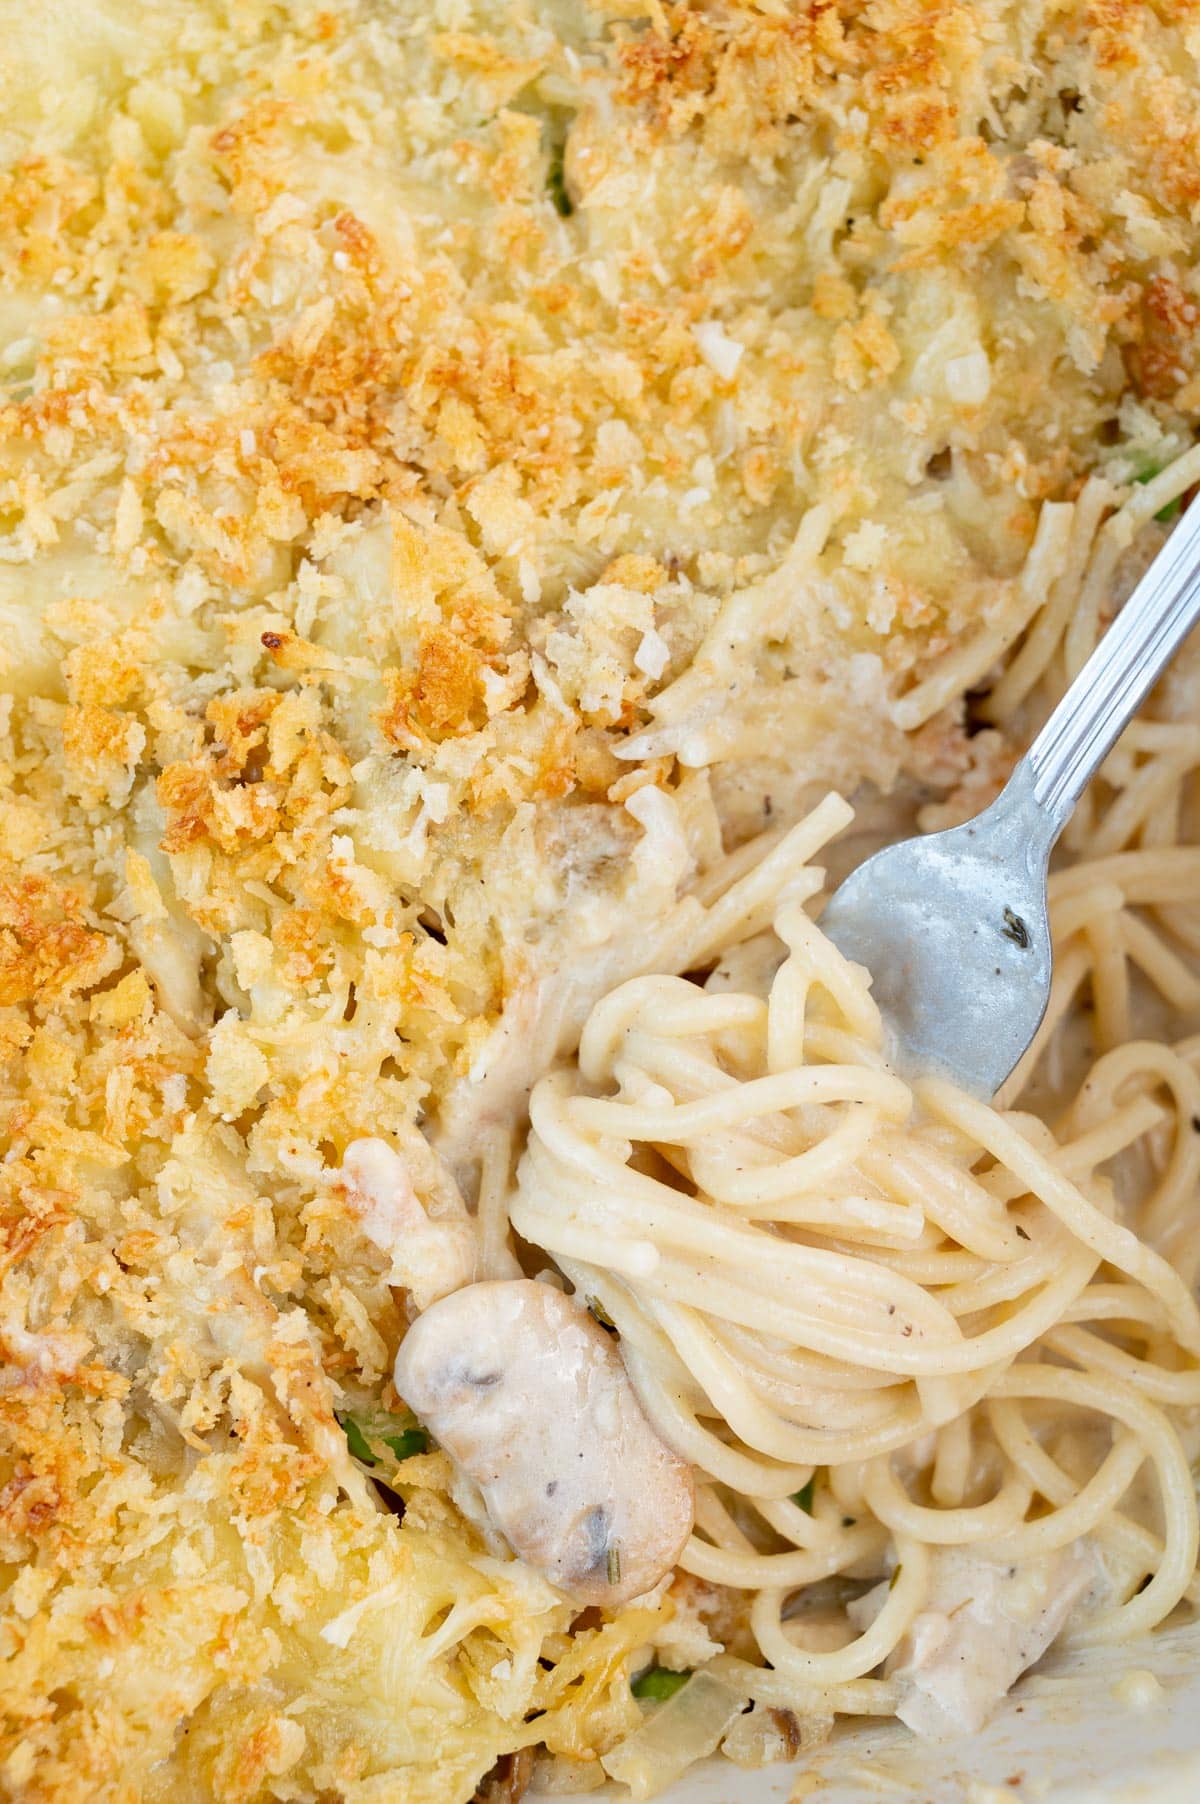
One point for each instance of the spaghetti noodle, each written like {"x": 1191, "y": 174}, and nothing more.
{"x": 886, "y": 1321}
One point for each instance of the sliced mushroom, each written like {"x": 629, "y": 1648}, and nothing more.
{"x": 530, "y": 1396}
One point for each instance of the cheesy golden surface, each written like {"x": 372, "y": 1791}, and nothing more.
{"x": 462, "y": 466}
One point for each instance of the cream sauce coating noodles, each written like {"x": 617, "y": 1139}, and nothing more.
{"x": 884, "y": 1320}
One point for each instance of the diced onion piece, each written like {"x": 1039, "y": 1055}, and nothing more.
{"x": 678, "y": 1733}
{"x": 653, "y": 654}
{"x": 765, "y": 1735}
{"x": 968, "y": 378}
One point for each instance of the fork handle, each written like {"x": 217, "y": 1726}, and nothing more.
{"x": 1116, "y": 679}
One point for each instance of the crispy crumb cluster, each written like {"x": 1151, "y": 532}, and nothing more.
{"x": 423, "y": 430}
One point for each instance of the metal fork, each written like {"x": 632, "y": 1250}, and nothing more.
{"x": 954, "y": 926}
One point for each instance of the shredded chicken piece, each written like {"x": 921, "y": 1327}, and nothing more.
{"x": 429, "y": 1257}
{"x": 984, "y": 1622}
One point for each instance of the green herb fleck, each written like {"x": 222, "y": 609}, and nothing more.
{"x": 892, "y": 1582}
{"x": 401, "y": 1440}
{"x": 556, "y": 183}
{"x": 407, "y": 1443}
{"x": 357, "y": 1441}
{"x": 1165, "y": 514}
{"x": 1014, "y": 929}
{"x": 658, "y": 1683}
{"x": 599, "y": 1313}
{"x": 614, "y": 1564}
{"x": 804, "y": 1496}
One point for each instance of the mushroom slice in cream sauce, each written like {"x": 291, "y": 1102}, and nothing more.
{"x": 530, "y": 1396}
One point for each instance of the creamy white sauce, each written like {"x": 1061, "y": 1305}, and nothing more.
{"x": 1140, "y": 1690}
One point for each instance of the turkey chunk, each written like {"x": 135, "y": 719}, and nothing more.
{"x": 985, "y": 1620}
{"x": 429, "y": 1255}
{"x": 530, "y": 1396}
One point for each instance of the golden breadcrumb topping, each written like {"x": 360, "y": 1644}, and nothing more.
{"x": 461, "y": 464}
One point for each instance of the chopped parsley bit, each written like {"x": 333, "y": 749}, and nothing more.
{"x": 599, "y": 1313}
{"x": 406, "y": 1444}
{"x": 402, "y": 1442}
{"x": 894, "y": 1578}
{"x": 1014, "y": 929}
{"x": 804, "y": 1496}
{"x": 658, "y": 1683}
{"x": 614, "y": 1564}
{"x": 356, "y": 1441}
{"x": 1165, "y": 514}
{"x": 556, "y": 184}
